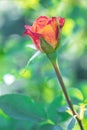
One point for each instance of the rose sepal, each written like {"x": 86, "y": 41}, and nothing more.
{"x": 45, "y": 46}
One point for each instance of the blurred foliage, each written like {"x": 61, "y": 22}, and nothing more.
{"x": 39, "y": 81}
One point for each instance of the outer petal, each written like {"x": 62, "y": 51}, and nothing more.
{"x": 40, "y": 23}
{"x": 35, "y": 36}
{"x": 49, "y": 35}
{"x": 61, "y": 21}
{"x": 54, "y": 25}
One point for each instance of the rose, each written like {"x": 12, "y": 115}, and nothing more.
{"x": 47, "y": 29}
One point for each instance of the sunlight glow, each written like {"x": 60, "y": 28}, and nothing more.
{"x": 8, "y": 79}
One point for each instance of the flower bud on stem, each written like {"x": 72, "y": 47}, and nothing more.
{"x": 52, "y": 57}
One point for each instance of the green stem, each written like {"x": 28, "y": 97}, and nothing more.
{"x": 59, "y": 77}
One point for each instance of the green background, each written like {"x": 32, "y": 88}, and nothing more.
{"x": 39, "y": 81}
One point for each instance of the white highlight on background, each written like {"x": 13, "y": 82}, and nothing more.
{"x": 8, "y": 79}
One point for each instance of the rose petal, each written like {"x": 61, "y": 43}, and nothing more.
{"x": 49, "y": 35}
{"x": 35, "y": 36}
{"x": 40, "y": 23}
{"x": 28, "y": 27}
{"x": 61, "y": 21}
{"x": 54, "y": 25}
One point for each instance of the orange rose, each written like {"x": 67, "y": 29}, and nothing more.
{"x": 47, "y": 28}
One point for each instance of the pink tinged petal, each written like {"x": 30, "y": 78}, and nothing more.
{"x": 35, "y": 36}
{"x": 27, "y": 27}
{"x": 36, "y": 39}
{"x": 40, "y": 23}
{"x": 61, "y": 21}
{"x": 43, "y": 17}
{"x": 42, "y": 20}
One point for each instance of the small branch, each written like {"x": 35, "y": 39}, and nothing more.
{"x": 59, "y": 77}
{"x": 80, "y": 123}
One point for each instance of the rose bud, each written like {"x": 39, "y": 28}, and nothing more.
{"x": 45, "y": 33}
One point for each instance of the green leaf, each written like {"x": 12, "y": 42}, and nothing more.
{"x": 57, "y": 128}
{"x": 22, "y": 107}
{"x": 53, "y": 110}
{"x": 4, "y": 121}
{"x": 83, "y": 88}
{"x": 82, "y": 111}
{"x": 71, "y": 124}
{"x": 76, "y": 95}
{"x": 49, "y": 127}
